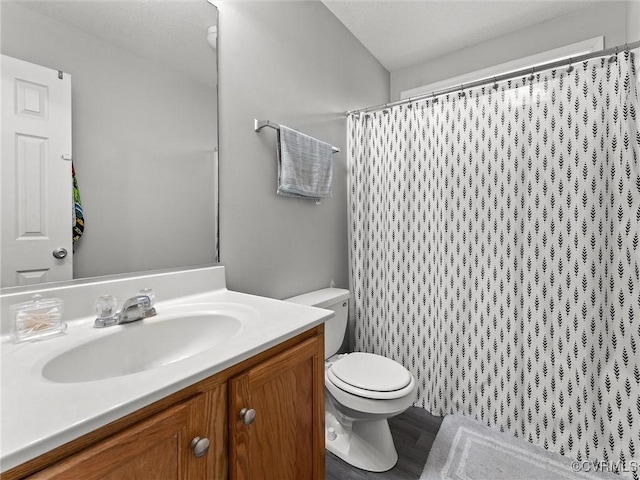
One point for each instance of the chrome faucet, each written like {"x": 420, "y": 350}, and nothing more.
{"x": 135, "y": 308}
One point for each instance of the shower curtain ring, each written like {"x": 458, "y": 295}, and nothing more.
{"x": 495, "y": 84}
{"x": 614, "y": 57}
{"x": 461, "y": 94}
{"x": 532, "y": 76}
{"x": 570, "y": 67}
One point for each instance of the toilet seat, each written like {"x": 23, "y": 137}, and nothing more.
{"x": 370, "y": 376}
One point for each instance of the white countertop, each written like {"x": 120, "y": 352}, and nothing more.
{"x": 38, "y": 415}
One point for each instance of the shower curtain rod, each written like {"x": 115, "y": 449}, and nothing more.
{"x": 499, "y": 78}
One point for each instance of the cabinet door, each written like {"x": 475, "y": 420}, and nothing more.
{"x": 286, "y": 438}
{"x": 156, "y": 448}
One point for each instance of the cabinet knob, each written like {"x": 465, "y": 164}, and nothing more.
{"x": 248, "y": 415}
{"x": 199, "y": 446}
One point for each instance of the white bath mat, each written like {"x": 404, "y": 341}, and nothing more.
{"x": 464, "y": 449}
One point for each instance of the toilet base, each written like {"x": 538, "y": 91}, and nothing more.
{"x": 367, "y": 445}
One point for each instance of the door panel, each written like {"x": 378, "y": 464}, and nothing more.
{"x": 36, "y": 180}
{"x": 157, "y": 448}
{"x": 286, "y": 439}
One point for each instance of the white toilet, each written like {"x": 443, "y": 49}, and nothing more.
{"x": 362, "y": 391}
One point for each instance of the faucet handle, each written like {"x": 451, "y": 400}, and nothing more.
{"x": 148, "y": 292}
{"x": 106, "y": 310}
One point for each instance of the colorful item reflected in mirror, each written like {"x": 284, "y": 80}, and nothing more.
{"x": 78, "y": 213}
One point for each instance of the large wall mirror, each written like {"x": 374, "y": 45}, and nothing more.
{"x": 130, "y": 89}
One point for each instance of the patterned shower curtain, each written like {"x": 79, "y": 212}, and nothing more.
{"x": 494, "y": 252}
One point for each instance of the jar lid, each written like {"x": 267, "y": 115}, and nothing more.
{"x": 37, "y": 302}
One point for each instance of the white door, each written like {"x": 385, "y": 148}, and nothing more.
{"x": 35, "y": 171}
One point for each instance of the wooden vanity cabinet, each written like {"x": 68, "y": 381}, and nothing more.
{"x": 284, "y": 439}
{"x": 157, "y": 448}
{"x": 281, "y": 438}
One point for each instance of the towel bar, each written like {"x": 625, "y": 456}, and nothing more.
{"x": 260, "y": 124}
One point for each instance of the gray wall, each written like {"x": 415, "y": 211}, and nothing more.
{"x": 633, "y": 21}
{"x": 293, "y": 63}
{"x": 617, "y": 21}
{"x": 143, "y": 142}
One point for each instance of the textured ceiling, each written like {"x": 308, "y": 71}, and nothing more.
{"x": 169, "y": 32}
{"x": 402, "y": 33}
{"x": 399, "y": 33}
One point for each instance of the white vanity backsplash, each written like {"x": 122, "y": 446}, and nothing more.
{"x": 79, "y": 295}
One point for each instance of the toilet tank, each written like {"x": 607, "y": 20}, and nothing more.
{"x": 335, "y": 299}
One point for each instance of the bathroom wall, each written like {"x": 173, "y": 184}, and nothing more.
{"x": 633, "y": 21}
{"x": 617, "y": 21}
{"x": 293, "y": 63}
{"x": 134, "y": 183}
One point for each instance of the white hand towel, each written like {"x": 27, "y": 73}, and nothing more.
{"x": 305, "y": 165}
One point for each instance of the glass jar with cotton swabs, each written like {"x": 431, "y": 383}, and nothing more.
{"x": 37, "y": 319}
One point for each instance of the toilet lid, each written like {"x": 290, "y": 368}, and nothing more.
{"x": 371, "y": 372}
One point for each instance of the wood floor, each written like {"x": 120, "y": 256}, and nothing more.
{"x": 413, "y": 432}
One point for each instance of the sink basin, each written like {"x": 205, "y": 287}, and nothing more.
{"x": 140, "y": 346}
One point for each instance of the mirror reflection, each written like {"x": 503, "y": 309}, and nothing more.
{"x": 123, "y": 94}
